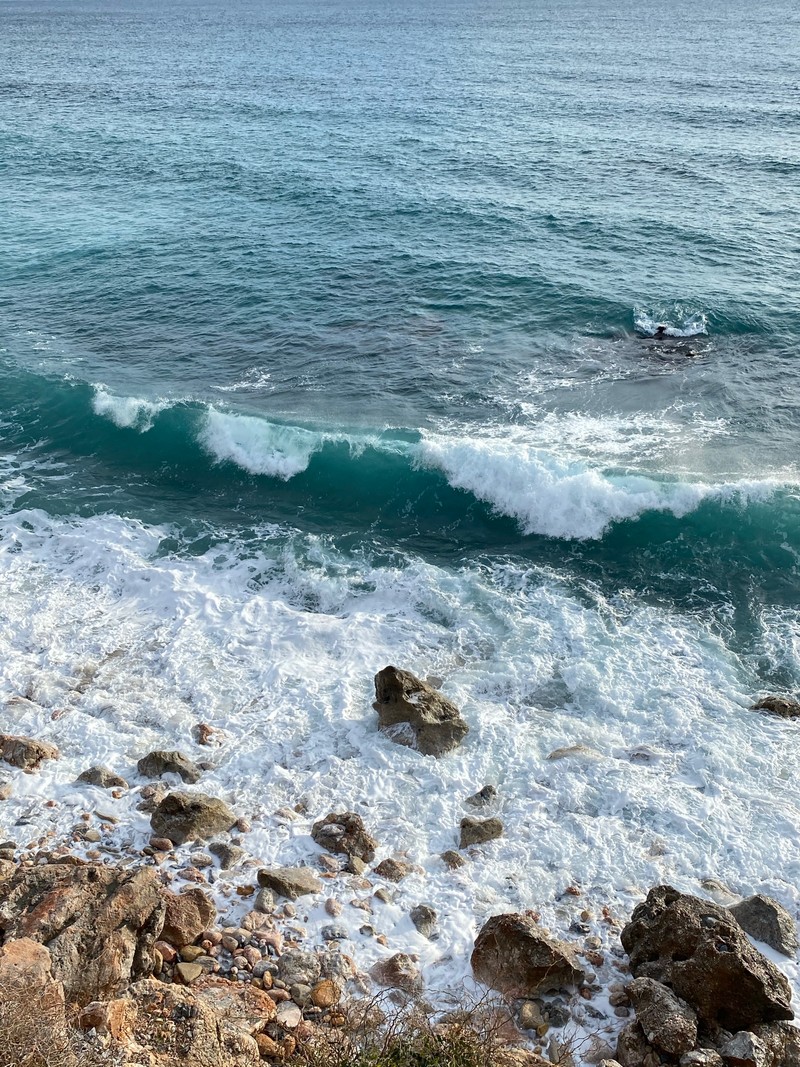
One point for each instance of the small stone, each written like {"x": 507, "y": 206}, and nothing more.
{"x": 267, "y": 1048}
{"x": 452, "y": 859}
{"x": 746, "y": 1050}
{"x": 393, "y": 870}
{"x": 424, "y": 918}
{"x": 264, "y": 902}
{"x": 201, "y": 860}
{"x": 483, "y": 797}
{"x": 190, "y": 953}
{"x": 289, "y": 1015}
{"x": 291, "y": 882}
{"x": 333, "y": 907}
{"x": 161, "y": 844}
{"x": 188, "y": 972}
{"x": 344, "y": 832}
{"x": 155, "y": 764}
{"x": 203, "y": 733}
{"x": 227, "y": 854}
{"x": 102, "y": 777}
{"x": 301, "y": 994}
{"x": 383, "y": 895}
{"x": 325, "y": 994}
{"x": 530, "y": 1015}
{"x": 399, "y": 972}
{"x": 767, "y": 920}
{"x": 334, "y": 932}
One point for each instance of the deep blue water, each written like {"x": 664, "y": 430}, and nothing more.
{"x": 383, "y": 273}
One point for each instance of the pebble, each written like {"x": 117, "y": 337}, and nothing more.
{"x": 333, "y": 907}
{"x": 334, "y": 932}
{"x": 289, "y": 1015}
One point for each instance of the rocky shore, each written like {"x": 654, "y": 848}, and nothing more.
{"x": 132, "y": 959}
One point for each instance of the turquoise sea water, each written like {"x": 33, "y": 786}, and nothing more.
{"x": 340, "y": 312}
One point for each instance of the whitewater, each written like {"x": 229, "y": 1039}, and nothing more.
{"x": 329, "y": 339}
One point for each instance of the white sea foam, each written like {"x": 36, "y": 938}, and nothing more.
{"x": 557, "y": 496}
{"x": 678, "y": 322}
{"x": 127, "y": 412}
{"x": 257, "y": 445}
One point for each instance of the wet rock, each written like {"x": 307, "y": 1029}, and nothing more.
{"x": 768, "y": 921}
{"x": 699, "y": 950}
{"x": 155, "y": 764}
{"x": 336, "y": 966}
{"x": 26, "y": 753}
{"x": 783, "y": 707}
{"x": 99, "y": 923}
{"x": 633, "y": 1048}
{"x": 413, "y": 713}
{"x": 479, "y": 831}
{"x": 103, "y": 777}
{"x": 291, "y": 882}
{"x": 264, "y": 902}
{"x": 452, "y": 859}
{"x": 667, "y": 1021}
{"x": 187, "y": 915}
{"x": 227, "y": 854}
{"x": 570, "y": 751}
{"x": 514, "y": 956}
{"x": 483, "y": 797}
{"x": 399, "y": 972}
{"x": 186, "y": 816}
{"x": 344, "y": 832}
{"x": 392, "y": 870}
{"x": 424, "y": 918}
{"x": 334, "y": 932}
{"x": 299, "y": 968}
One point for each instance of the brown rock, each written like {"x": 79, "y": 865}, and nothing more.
{"x": 633, "y": 1048}
{"x": 413, "y": 713}
{"x": 398, "y": 972}
{"x": 453, "y": 860}
{"x": 154, "y": 764}
{"x": 783, "y": 707}
{"x": 699, "y": 950}
{"x": 291, "y": 882}
{"x": 269, "y": 1049}
{"x": 393, "y": 870}
{"x": 325, "y": 994}
{"x": 513, "y": 955}
{"x": 248, "y": 1008}
{"x": 26, "y": 753}
{"x": 768, "y": 921}
{"x": 667, "y": 1021}
{"x": 186, "y": 916}
{"x": 183, "y": 817}
{"x": 99, "y": 924}
{"x": 102, "y": 777}
{"x": 479, "y": 831}
{"x": 345, "y": 832}
{"x": 32, "y": 1018}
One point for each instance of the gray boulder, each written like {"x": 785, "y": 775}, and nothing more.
{"x": 415, "y": 714}
{"x": 768, "y": 921}
{"x": 103, "y": 777}
{"x": 154, "y": 764}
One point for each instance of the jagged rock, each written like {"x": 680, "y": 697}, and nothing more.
{"x": 238, "y": 1003}
{"x": 701, "y": 1057}
{"x": 336, "y": 966}
{"x": 103, "y": 777}
{"x": 345, "y": 832}
{"x": 782, "y": 1042}
{"x": 482, "y": 797}
{"x": 186, "y": 816}
{"x": 413, "y": 713}
{"x": 784, "y": 707}
{"x": 264, "y": 902}
{"x": 26, "y": 753}
{"x": 699, "y": 950}
{"x": 479, "y": 831}
{"x": 172, "y": 1024}
{"x": 667, "y": 1021}
{"x": 398, "y": 972}
{"x": 513, "y": 955}
{"x": 32, "y": 1016}
{"x": 187, "y": 915}
{"x": 297, "y": 967}
{"x": 633, "y": 1048}
{"x": 424, "y": 918}
{"x": 154, "y": 764}
{"x": 768, "y": 921}
{"x": 453, "y": 860}
{"x": 745, "y": 1050}
{"x": 291, "y": 882}
{"x": 99, "y": 924}
{"x": 393, "y": 870}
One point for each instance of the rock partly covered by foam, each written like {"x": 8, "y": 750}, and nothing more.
{"x": 768, "y": 921}
{"x": 698, "y": 949}
{"x": 25, "y": 752}
{"x": 517, "y": 958}
{"x": 344, "y": 832}
{"x": 479, "y": 831}
{"x": 182, "y": 817}
{"x": 291, "y": 882}
{"x": 103, "y": 777}
{"x": 415, "y": 714}
{"x": 99, "y": 924}
{"x": 399, "y": 972}
{"x": 783, "y": 707}
{"x": 154, "y": 764}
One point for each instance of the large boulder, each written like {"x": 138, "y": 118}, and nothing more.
{"x": 516, "y": 957}
{"x": 25, "y": 752}
{"x": 345, "y": 832}
{"x": 415, "y": 714}
{"x": 154, "y": 764}
{"x": 699, "y": 950}
{"x": 187, "y": 915}
{"x": 667, "y": 1021}
{"x": 185, "y": 817}
{"x": 99, "y": 923}
{"x": 33, "y": 1027}
{"x": 783, "y": 707}
{"x": 768, "y": 921}
{"x": 205, "y": 1025}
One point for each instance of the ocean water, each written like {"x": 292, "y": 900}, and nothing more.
{"x": 326, "y": 342}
